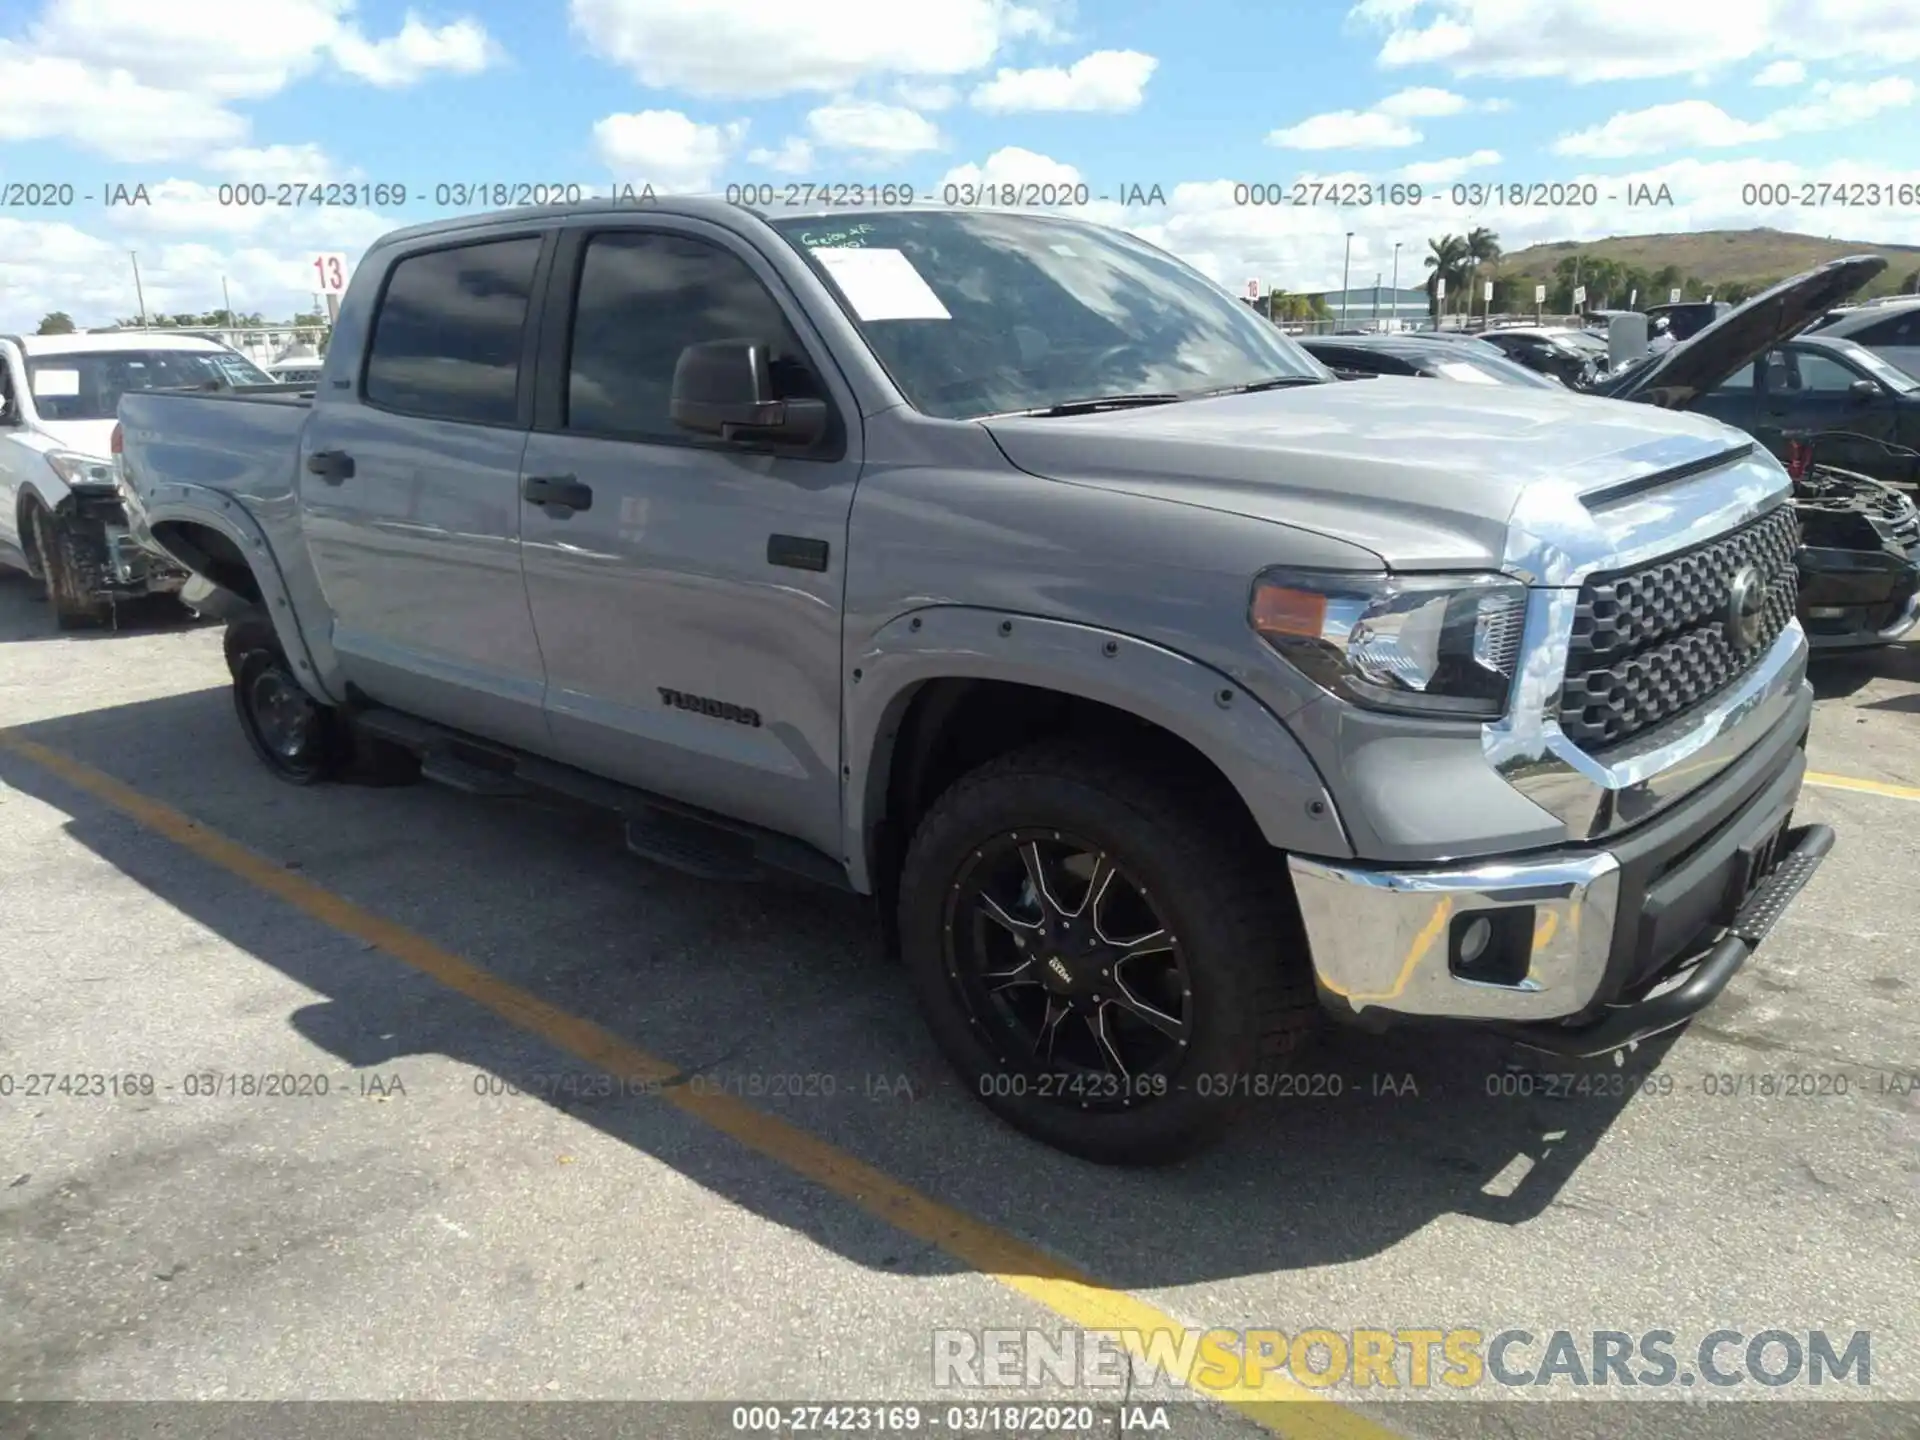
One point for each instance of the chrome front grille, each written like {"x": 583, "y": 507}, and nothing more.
{"x": 1652, "y": 642}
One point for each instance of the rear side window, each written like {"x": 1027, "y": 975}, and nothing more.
{"x": 447, "y": 339}
{"x": 643, "y": 298}
{"x": 1894, "y": 330}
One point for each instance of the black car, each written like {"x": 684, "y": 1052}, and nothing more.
{"x": 1822, "y": 384}
{"x": 1566, "y": 355}
{"x": 1433, "y": 356}
{"x": 1890, "y": 328}
{"x": 1859, "y": 559}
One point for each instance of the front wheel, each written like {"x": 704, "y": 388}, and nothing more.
{"x": 71, "y": 573}
{"x": 1106, "y": 969}
{"x": 295, "y": 736}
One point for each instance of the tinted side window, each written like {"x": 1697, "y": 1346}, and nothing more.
{"x": 1819, "y": 375}
{"x": 447, "y": 338}
{"x": 1738, "y": 383}
{"x": 1894, "y": 330}
{"x": 643, "y": 298}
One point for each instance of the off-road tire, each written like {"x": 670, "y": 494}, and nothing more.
{"x": 351, "y": 756}
{"x": 71, "y": 573}
{"x": 1225, "y": 898}
{"x": 260, "y": 670}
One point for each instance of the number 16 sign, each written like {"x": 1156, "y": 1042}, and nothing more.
{"x": 331, "y": 270}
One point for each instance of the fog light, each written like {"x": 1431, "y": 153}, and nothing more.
{"x": 1492, "y": 947}
{"x": 1475, "y": 939}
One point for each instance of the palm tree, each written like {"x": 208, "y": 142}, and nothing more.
{"x": 1447, "y": 259}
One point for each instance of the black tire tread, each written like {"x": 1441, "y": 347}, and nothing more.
{"x": 71, "y": 575}
{"x": 1219, "y": 871}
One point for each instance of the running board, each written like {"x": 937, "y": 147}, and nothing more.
{"x": 667, "y": 832}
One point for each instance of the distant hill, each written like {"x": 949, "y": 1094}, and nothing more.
{"x": 1718, "y": 257}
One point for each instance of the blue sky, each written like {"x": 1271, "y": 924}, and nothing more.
{"x": 1196, "y": 97}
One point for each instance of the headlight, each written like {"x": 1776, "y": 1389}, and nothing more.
{"x": 1417, "y": 644}
{"x": 77, "y": 469}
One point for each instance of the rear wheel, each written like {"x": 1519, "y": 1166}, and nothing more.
{"x": 71, "y": 573}
{"x": 1105, "y": 968}
{"x": 295, "y": 736}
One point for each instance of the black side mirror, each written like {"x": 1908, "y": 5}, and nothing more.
{"x": 1864, "y": 390}
{"x": 725, "y": 388}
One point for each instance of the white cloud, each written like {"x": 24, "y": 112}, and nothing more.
{"x": 1782, "y": 72}
{"x": 44, "y": 97}
{"x": 1440, "y": 172}
{"x": 793, "y": 156}
{"x": 136, "y": 81}
{"x": 1012, "y": 165}
{"x": 926, "y": 94}
{"x": 1108, "y": 80}
{"x": 1423, "y": 102}
{"x": 1840, "y": 104}
{"x": 869, "y": 126}
{"x": 1635, "y": 38}
{"x": 740, "y": 49}
{"x": 666, "y": 149}
{"x": 460, "y": 48}
{"x": 278, "y": 164}
{"x": 1687, "y": 123}
{"x": 1384, "y": 125}
{"x": 1660, "y": 127}
{"x": 1345, "y": 130}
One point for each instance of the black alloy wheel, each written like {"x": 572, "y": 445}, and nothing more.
{"x": 1106, "y": 955}
{"x": 1061, "y": 957}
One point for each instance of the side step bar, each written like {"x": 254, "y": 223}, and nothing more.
{"x": 667, "y": 832}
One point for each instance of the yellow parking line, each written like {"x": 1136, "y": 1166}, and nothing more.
{"x": 1059, "y": 1286}
{"x": 1864, "y": 787}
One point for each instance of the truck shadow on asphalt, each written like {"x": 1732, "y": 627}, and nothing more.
{"x": 25, "y": 614}
{"x": 1391, "y": 1134}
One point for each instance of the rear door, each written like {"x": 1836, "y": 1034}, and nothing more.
{"x": 690, "y": 615}
{"x": 410, "y": 492}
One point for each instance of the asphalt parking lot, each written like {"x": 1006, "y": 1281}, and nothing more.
{"x": 421, "y": 1232}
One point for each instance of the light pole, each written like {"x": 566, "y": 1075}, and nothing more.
{"x": 134, "y": 255}
{"x": 1396, "y": 285}
{"x": 1376, "y": 300}
{"x": 1346, "y": 269}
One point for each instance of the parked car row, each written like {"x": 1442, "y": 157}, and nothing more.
{"x": 1168, "y": 695}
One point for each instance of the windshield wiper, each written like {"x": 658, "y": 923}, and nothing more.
{"x": 1106, "y": 402}
{"x": 1277, "y": 382}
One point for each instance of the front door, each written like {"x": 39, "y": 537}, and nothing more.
{"x": 1816, "y": 392}
{"x": 410, "y": 496}
{"x": 690, "y": 614}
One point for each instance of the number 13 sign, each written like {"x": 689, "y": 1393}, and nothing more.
{"x": 331, "y": 269}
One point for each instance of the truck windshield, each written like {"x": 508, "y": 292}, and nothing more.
{"x": 88, "y": 384}
{"x": 984, "y": 313}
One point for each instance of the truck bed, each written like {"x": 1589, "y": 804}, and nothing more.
{"x": 240, "y": 442}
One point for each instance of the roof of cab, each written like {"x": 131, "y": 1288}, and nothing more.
{"x": 699, "y": 207}
{"x": 77, "y": 344}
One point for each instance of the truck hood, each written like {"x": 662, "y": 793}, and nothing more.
{"x": 1420, "y": 474}
{"x": 1742, "y": 335}
{"x": 88, "y": 437}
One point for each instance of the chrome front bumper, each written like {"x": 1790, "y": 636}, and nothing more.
{"x": 1380, "y": 937}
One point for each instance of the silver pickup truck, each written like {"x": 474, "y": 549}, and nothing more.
{"x": 1167, "y": 694}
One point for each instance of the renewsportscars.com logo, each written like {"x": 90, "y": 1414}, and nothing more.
{"x": 1225, "y": 1362}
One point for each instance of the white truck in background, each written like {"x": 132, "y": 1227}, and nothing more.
{"x": 61, "y": 517}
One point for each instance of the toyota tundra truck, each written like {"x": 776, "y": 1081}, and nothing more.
{"x": 1168, "y": 696}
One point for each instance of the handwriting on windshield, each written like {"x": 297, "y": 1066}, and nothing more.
{"x": 852, "y": 238}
